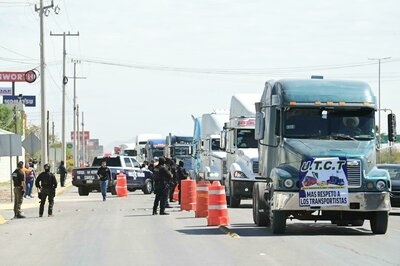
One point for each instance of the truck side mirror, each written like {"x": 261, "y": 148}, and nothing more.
{"x": 222, "y": 143}
{"x": 258, "y": 107}
{"x": 392, "y": 127}
{"x": 260, "y": 126}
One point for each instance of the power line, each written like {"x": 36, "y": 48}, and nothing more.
{"x": 232, "y": 71}
{"x": 17, "y": 53}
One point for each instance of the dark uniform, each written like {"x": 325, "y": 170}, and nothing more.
{"x": 46, "y": 182}
{"x": 161, "y": 178}
{"x": 104, "y": 174}
{"x": 174, "y": 180}
{"x": 63, "y": 173}
{"x": 181, "y": 174}
{"x": 18, "y": 177}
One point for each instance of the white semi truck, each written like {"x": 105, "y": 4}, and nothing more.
{"x": 213, "y": 159}
{"x": 141, "y": 141}
{"x": 241, "y": 149}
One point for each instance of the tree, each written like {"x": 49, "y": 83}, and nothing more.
{"x": 6, "y": 118}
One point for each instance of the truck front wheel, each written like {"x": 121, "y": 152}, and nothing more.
{"x": 82, "y": 191}
{"x": 278, "y": 222}
{"x": 234, "y": 200}
{"x": 276, "y": 218}
{"x": 260, "y": 211}
{"x": 379, "y": 222}
{"x": 113, "y": 190}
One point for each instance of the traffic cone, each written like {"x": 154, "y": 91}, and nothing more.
{"x": 175, "y": 197}
{"x": 121, "y": 186}
{"x": 202, "y": 199}
{"x": 188, "y": 195}
{"x": 217, "y": 208}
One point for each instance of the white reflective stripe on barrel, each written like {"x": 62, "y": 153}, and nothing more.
{"x": 202, "y": 188}
{"x": 216, "y": 192}
{"x": 120, "y": 187}
{"x": 217, "y": 207}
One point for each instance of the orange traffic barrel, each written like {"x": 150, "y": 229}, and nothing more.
{"x": 217, "y": 208}
{"x": 175, "y": 197}
{"x": 121, "y": 186}
{"x": 188, "y": 195}
{"x": 202, "y": 199}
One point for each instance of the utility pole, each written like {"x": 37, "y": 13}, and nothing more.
{"x": 43, "y": 11}
{"x": 47, "y": 133}
{"x": 379, "y": 101}
{"x": 77, "y": 131}
{"x": 64, "y": 82}
{"x": 83, "y": 139}
{"x": 75, "y": 111}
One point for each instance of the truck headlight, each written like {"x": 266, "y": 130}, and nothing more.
{"x": 239, "y": 174}
{"x": 288, "y": 183}
{"x": 381, "y": 185}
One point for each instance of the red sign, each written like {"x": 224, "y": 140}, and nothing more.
{"x": 29, "y": 76}
{"x": 86, "y": 134}
{"x": 249, "y": 122}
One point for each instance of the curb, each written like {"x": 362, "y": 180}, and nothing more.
{"x": 228, "y": 232}
{"x": 10, "y": 206}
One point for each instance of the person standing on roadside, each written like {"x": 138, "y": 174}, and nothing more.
{"x": 63, "y": 173}
{"x": 30, "y": 176}
{"x": 161, "y": 178}
{"x": 46, "y": 183}
{"x": 18, "y": 177}
{"x": 104, "y": 175}
{"x": 181, "y": 175}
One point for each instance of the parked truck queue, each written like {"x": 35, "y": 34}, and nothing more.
{"x": 301, "y": 149}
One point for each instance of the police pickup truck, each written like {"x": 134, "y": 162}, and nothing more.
{"x": 86, "y": 178}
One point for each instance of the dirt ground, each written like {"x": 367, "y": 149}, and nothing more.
{"x": 5, "y": 191}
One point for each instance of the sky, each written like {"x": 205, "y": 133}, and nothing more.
{"x": 150, "y": 65}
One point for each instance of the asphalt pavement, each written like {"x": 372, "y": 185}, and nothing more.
{"x": 122, "y": 231}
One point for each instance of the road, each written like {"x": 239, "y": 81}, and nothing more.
{"x": 122, "y": 231}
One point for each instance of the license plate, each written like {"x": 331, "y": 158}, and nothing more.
{"x": 89, "y": 181}
{"x": 89, "y": 177}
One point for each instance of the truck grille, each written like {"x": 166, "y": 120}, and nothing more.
{"x": 354, "y": 173}
{"x": 255, "y": 166}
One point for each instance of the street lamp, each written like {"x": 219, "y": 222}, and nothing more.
{"x": 379, "y": 99}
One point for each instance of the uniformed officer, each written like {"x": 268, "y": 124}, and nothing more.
{"x": 63, "y": 173}
{"x": 18, "y": 177}
{"x": 181, "y": 175}
{"x": 46, "y": 184}
{"x": 161, "y": 178}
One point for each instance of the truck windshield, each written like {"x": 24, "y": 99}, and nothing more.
{"x": 111, "y": 161}
{"x": 158, "y": 152}
{"x": 215, "y": 144}
{"x": 245, "y": 138}
{"x": 181, "y": 150}
{"x": 344, "y": 124}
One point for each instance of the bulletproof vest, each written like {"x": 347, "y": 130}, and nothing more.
{"x": 156, "y": 174}
{"x": 47, "y": 180}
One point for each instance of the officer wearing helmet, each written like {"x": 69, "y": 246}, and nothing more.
{"x": 46, "y": 184}
{"x": 162, "y": 176}
{"x": 18, "y": 177}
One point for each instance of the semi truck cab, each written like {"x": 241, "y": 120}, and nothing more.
{"x": 241, "y": 149}
{"x": 317, "y": 153}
